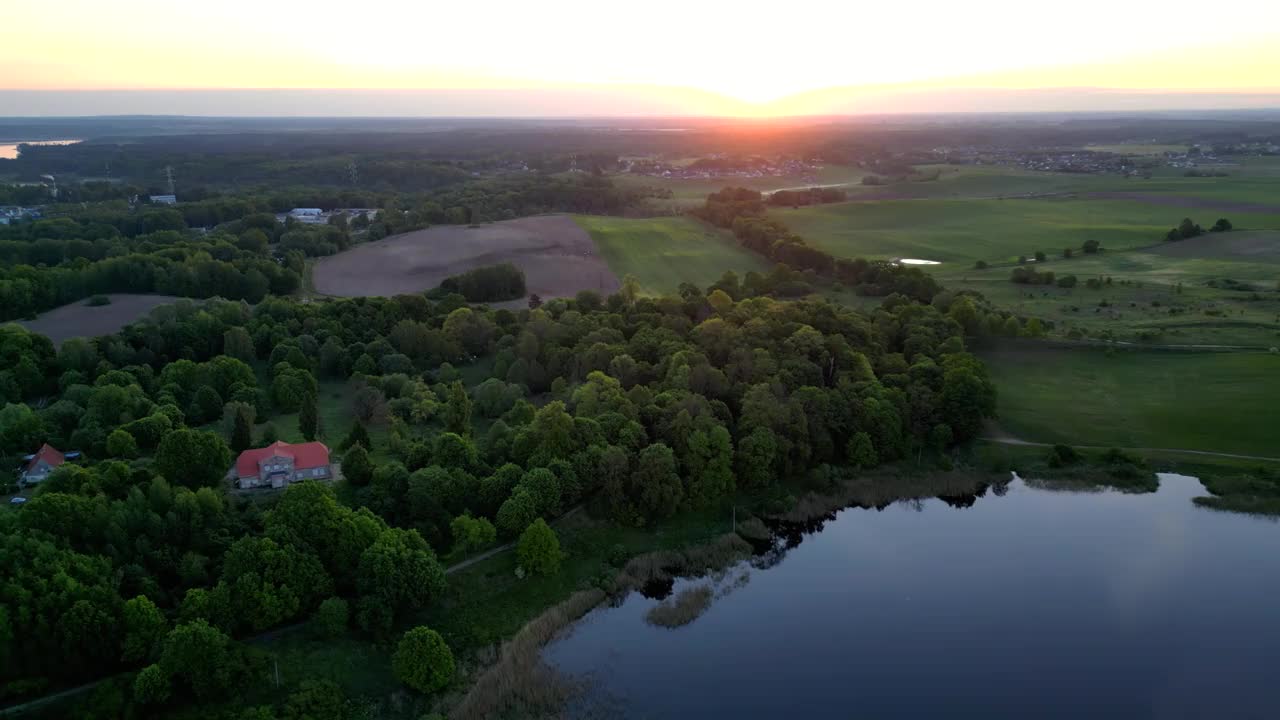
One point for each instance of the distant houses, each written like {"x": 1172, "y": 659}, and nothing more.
{"x": 163, "y": 199}
{"x": 312, "y": 216}
{"x": 282, "y": 463}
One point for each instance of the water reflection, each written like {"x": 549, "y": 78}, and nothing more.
{"x": 1028, "y": 604}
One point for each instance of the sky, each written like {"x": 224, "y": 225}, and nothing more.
{"x": 741, "y": 57}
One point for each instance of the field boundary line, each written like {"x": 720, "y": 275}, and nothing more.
{"x": 1009, "y": 440}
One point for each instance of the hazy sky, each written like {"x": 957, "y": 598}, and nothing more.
{"x": 742, "y": 51}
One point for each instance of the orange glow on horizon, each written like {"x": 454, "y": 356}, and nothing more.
{"x": 713, "y": 58}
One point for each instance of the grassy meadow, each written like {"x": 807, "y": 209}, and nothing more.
{"x": 996, "y": 231}
{"x": 1216, "y": 402}
{"x": 666, "y": 251}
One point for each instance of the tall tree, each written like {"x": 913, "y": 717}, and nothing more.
{"x": 309, "y": 417}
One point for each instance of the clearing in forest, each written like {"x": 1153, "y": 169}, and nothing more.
{"x": 557, "y": 256}
{"x": 663, "y": 252}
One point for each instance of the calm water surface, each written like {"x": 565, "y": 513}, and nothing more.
{"x": 1032, "y": 604}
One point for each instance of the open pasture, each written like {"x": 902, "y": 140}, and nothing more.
{"x": 664, "y": 252}
{"x": 1149, "y": 399}
{"x": 965, "y": 231}
{"x": 557, "y": 256}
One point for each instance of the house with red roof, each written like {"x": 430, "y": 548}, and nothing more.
{"x": 44, "y": 461}
{"x": 282, "y": 463}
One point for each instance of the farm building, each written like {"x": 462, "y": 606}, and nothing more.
{"x": 44, "y": 461}
{"x": 307, "y": 215}
{"x": 282, "y": 463}
{"x": 163, "y": 199}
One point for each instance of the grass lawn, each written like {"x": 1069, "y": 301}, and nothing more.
{"x": 666, "y": 251}
{"x": 1217, "y": 402}
{"x": 964, "y": 231}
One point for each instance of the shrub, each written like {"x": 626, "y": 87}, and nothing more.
{"x": 423, "y": 661}
{"x": 1062, "y": 456}
{"x": 539, "y": 549}
{"x": 471, "y": 534}
{"x": 98, "y": 301}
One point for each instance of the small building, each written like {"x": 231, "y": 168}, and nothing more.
{"x": 164, "y": 199}
{"x": 307, "y": 215}
{"x": 44, "y": 461}
{"x": 282, "y": 463}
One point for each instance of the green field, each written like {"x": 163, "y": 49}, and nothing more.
{"x": 1216, "y": 402}
{"x": 689, "y": 192}
{"x": 964, "y": 231}
{"x": 1173, "y": 293}
{"x": 664, "y": 252}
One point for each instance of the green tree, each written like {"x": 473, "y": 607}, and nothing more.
{"x": 516, "y": 513}
{"x": 757, "y": 458}
{"x": 144, "y": 628}
{"x": 242, "y": 430}
{"x": 357, "y": 436}
{"x": 539, "y": 549}
{"x": 630, "y": 290}
{"x": 457, "y": 412}
{"x": 709, "y": 465}
{"x": 356, "y": 466}
{"x": 194, "y": 458}
{"x": 206, "y": 405}
{"x": 316, "y": 699}
{"x": 720, "y": 301}
{"x": 861, "y": 451}
{"x": 121, "y": 444}
{"x": 544, "y": 487}
{"x": 400, "y": 571}
{"x": 655, "y": 488}
{"x": 237, "y": 344}
{"x": 423, "y": 661}
{"x": 269, "y": 435}
{"x": 309, "y": 417}
{"x": 201, "y": 657}
{"x": 151, "y": 685}
{"x": 330, "y": 619}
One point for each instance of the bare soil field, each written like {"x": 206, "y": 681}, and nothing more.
{"x": 1186, "y": 202}
{"x": 558, "y": 259}
{"x": 1252, "y": 246}
{"x": 80, "y": 320}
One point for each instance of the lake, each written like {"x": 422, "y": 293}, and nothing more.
{"x": 1029, "y": 603}
{"x": 9, "y": 151}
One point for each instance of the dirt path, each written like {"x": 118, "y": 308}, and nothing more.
{"x": 1006, "y": 439}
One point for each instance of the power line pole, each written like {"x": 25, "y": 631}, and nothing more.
{"x": 168, "y": 174}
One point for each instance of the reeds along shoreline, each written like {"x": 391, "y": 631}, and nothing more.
{"x": 521, "y": 680}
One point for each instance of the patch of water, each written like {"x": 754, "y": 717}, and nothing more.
{"x": 1018, "y": 602}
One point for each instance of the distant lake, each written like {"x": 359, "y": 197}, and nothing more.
{"x": 10, "y": 151}
{"x": 1026, "y": 604}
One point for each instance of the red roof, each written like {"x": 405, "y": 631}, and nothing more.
{"x": 48, "y": 454}
{"x": 304, "y": 456}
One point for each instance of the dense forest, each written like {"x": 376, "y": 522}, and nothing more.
{"x": 140, "y": 558}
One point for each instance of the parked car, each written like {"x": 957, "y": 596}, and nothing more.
{"x": 17, "y": 500}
